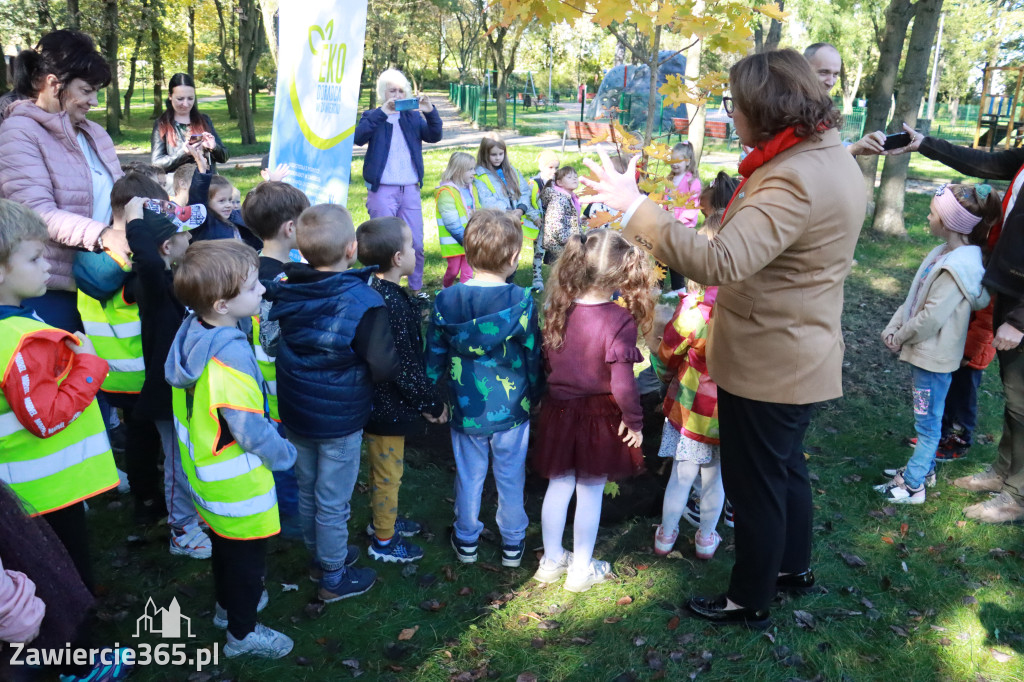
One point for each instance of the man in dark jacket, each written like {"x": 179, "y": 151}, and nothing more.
{"x": 1004, "y": 277}
{"x": 393, "y": 166}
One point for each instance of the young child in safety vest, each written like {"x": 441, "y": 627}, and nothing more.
{"x": 54, "y": 451}
{"x": 229, "y": 444}
{"x": 455, "y": 203}
{"x": 399, "y": 406}
{"x": 270, "y": 210}
{"x": 110, "y": 315}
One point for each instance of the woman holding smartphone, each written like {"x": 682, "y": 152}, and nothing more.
{"x": 393, "y": 166}
{"x": 180, "y": 126}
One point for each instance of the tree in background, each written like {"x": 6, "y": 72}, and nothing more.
{"x": 462, "y": 27}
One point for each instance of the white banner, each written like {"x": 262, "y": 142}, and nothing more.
{"x": 319, "y": 63}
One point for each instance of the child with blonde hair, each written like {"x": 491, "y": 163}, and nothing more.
{"x": 455, "y": 203}
{"x": 591, "y": 420}
{"x": 683, "y": 174}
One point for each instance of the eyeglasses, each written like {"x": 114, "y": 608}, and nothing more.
{"x": 728, "y": 105}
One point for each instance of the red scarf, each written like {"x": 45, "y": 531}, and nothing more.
{"x": 762, "y": 154}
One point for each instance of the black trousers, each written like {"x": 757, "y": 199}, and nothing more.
{"x": 765, "y": 478}
{"x": 238, "y": 570}
{"x": 143, "y": 451}
{"x": 69, "y": 526}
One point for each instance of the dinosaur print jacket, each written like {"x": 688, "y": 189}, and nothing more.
{"x": 485, "y": 340}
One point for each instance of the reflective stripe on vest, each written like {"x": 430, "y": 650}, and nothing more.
{"x": 116, "y": 333}
{"x": 230, "y": 487}
{"x": 449, "y": 246}
{"x": 268, "y": 368}
{"x": 530, "y": 231}
{"x": 69, "y": 466}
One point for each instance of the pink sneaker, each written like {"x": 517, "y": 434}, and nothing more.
{"x": 663, "y": 544}
{"x": 706, "y": 546}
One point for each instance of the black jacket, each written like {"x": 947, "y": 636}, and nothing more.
{"x": 213, "y": 227}
{"x": 169, "y": 157}
{"x": 398, "y": 404}
{"x": 1004, "y": 273}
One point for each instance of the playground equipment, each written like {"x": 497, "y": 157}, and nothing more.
{"x": 625, "y": 91}
{"x": 1000, "y": 118}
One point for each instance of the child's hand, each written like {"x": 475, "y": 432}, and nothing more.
{"x": 443, "y": 419}
{"x": 133, "y": 209}
{"x": 633, "y": 438}
{"x": 276, "y": 175}
{"x": 84, "y": 347}
{"x": 890, "y": 343}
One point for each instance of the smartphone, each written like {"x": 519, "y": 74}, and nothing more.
{"x": 407, "y": 104}
{"x": 896, "y": 141}
{"x": 193, "y": 139}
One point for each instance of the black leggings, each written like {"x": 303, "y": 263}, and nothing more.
{"x": 69, "y": 526}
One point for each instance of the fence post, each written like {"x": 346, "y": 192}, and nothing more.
{"x": 483, "y": 94}
{"x": 515, "y": 96}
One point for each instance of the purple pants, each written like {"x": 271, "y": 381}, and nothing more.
{"x": 458, "y": 267}
{"x": 402, "y": 201}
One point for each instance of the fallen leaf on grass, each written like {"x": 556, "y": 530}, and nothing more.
{"x": 639, "y": 641}
{"x": 853, "y": 560}
{"x": 610, "y": 620}
{"x": 673, "y": 623}
{"x": 961, "y": 523}
{"x": 945, "y": 641}
{"x": 899, "y": 630}
{"x": 582, "y": 641}
{"x": 654, "y": 660}
{"x": 431, "y": 605}
{"x": 999, "y": 553}
{"x": 888, "y": 540}
{"x": 314, "y": 609}
{"x": 288, "y": 587}
{"x": 465, "y": 591}
{"x": 406, "y": 634}
{"x": 1000, "y": 656}
{"x": 969, "y": 600}
{"x": 537, "y": 642}
{"x": 804, "y": 619}
{"x": 351, "y": 663}
{"x": 641, "y": 567}
{"x": 449, "y": 575}
{"x": 526, "y": 677}
{"x": 624, "y": 601}
{"x": 548, "y": 625}
{"x": 889, "y": 511}
{"x": 489, "y": 567}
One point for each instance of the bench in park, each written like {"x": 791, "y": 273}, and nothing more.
{"x": 586, "y": 130}
{"x": 719, "y": 130}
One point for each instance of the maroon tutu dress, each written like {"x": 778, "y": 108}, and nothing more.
{"x": 591, "y": 390}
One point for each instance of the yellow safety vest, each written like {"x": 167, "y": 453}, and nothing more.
{"x": 268, "y": 368}
{"x": 71, "y": 465}
{"x": 231, "y": 489}
{"x": 450, "y": 247}
{"x": 114, "y": 328}
{"x": 530, "y": 231}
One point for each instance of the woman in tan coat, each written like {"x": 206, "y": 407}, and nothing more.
{"x": 776, "y": 348}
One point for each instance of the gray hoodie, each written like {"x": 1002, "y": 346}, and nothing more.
{"x": 193, "y": 347}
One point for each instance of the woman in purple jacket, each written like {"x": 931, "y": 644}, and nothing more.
{"x": 393, "y": 166}
{"x": 60, "y": 164}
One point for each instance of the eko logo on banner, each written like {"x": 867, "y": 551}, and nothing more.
{"x": 319, "y": 64}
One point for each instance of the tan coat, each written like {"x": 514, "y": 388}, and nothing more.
{"x": 780, "y": 260}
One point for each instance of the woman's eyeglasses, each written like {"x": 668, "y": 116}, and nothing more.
{"x": 728, "y": 105}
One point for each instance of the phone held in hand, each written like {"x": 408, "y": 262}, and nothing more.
{"x": 407, "y": 104}
{"x": 195, "y": 139}
{"x": 896, "y": 141}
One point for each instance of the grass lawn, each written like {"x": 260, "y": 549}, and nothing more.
{"x": 914, "y": 593}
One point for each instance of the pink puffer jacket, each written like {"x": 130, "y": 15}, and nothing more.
{"x": 42, "y": 166}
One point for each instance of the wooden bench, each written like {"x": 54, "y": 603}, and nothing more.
{"x": 719, "y": 130}
{"x": 586, "y": 130}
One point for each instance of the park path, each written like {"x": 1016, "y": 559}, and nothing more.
{"x": 460, "y": 133}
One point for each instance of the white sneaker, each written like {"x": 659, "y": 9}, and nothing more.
{"x": 550, "y": 571}
{"x": 220, "y": 614}
{"x": 706, "y": 545}
{"x": 929, "y": 479}
{"x": 191, "y": 542}
{"x": 597, "y": 572}
{"x": 262, "y": 642}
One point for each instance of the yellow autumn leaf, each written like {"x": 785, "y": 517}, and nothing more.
{"x": 773, "y": 11}
{"x": 659, "y": 270}
{"x": 600, "y": 219}
{"x": 659, "y": 151}
{"x": 608, "y": 11}
{"x": 676, "y": 93}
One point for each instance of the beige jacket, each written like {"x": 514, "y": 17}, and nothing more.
{"x": 932, "y": 328}
{"x": 780, "y": 260}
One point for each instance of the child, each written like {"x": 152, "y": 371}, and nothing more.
{"x": 386, "y": 243}
{"x": 930, "y": 328}
{"x": 561, "y": 212}
{"x": 158, "y": 241}
{"x": 216, "y": 192}
{"x": 683, "y": 174}
{"x": 271, "y": 210}
{"x": 591, "y": 419}
{"x": 335, "y": 344}
{"x": 690, "y": 435}
{"x": 54, "y": 450}
{"x": 110, "y": 316}
{"x": 454, "y": 199}
{"x": 547, "y": 163}
{"x": 500, "y": 186}
{"x": 232, "y": 445}
{"x": 484, "y": 336}
{"x": 181, "y": 181}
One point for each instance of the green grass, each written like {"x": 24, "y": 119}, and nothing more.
{"x": 938, "y": 618}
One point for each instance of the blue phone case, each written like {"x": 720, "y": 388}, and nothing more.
{"x": 407, "y": 104}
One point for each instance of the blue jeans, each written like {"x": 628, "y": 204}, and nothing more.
{"x": 287, "y": 487}
{"x": 930, "y": 389}
{"x": 326, "y": 471}
{"x": 962, "y": 403}
{"x": 472, "y": 454}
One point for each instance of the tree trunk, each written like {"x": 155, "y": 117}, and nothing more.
{"x": 110, "y": 54}
{"x": 897, "y": 17}
{"x": 850, "y": 88}
{"x": 496, "y": 46}
{"x": 269, "y": 9}
{"x": 889, "y": 214}
{"x": 620, "y": 55}
{"x": 229, "y": 98}
{"x": 653, "y": 110}
{"x": 158, "y": 62}
{"x": 954, "y": 111}
{"x": 74, "y": 17}
{"x": 192, "y": 42}
{"x": 250, "y": 46}
{"x": 133, "y": 69}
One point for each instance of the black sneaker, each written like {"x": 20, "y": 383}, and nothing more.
{"x": 951, "y": 447}
{"x": 403, "y": 526}
{"x": 692, "y": 512}
{"x": 512, "y": 555}
{"x": 398, "y": 550}
{"x": 465, "y": 552}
